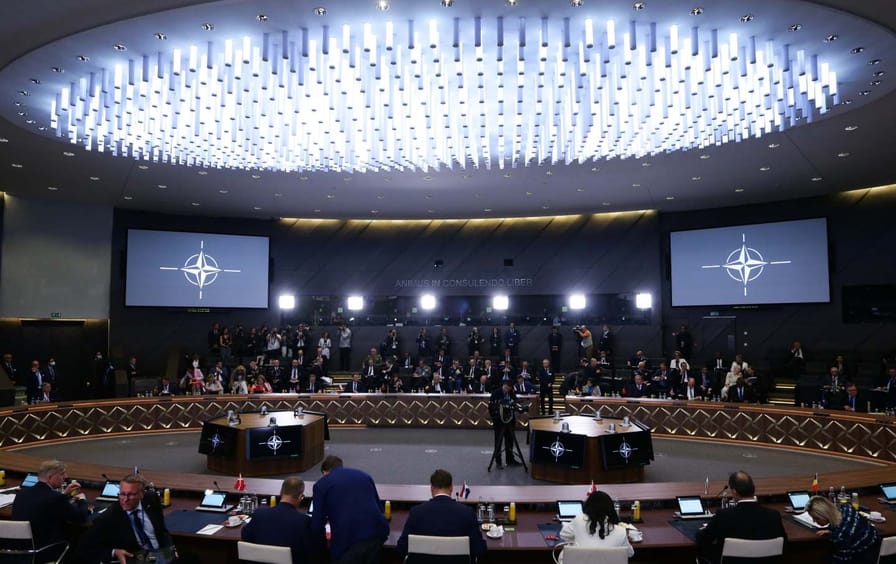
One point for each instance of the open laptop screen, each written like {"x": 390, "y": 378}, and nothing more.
{"x": 798, "y": 500}
{"x": 30, "y": 480}
{"x": 889, "y": 491}
{"x": 213, "y": 499}
{"x": 110, "y": 489}
{"x": 690, "y": 505}
{"x": 568, "y": 509}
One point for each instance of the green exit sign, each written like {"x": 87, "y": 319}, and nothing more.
{"x": 56, "y": 315}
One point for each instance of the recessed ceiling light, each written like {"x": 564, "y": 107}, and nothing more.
{"x": 143, "y": 167}
{"x": 160, "y": 36}
{"x": 57, "y": 69}
{"x": 382, "y": 5}
{"x": 52, "y": 188}
{"x": 207, "y": 26}
{"x": 316, "y": 210}
{"x": 24, "y": 93}
{"x": 850, "y": 127}
{"x": 374, "y": 211}
{"x": 223, "y": 191}
{"x": 817, "y": 179}
{"x": 427, "y": 178}
{"x": 320, "y": 11}
{"x": 865, "y": 93}
{"x": 428, "y": 196}
{"x": 195, "y": 204}
{"x": 580, "y": 189}
{"x": 4, "y": 140}
{"x": 696, "y": 178}
{"x": 256, "y": 176}
{"x": 738, "y": 189}
{"x": 831, "y": 38}
{"x": 202, "y": 173}
{"x": 128, "y": 197}
{"x": 347, "y": 179}
{"x": 795, "y": 27}
{"x": 508, "y": 175}
{"x": 747, "y": 18}
{"x": 94, "y": 178}
{"x": 83, "y": 58}
{"x": 278, "y": 195}
{"x": 487, "y": 209}
{"x": 35, "y": 81}
{"x": 774, "y": 145}
{"x": 595, "y": 169}
{"x": 68, "y": 153}
{"x": 549, "y": 172}
{"x": 874, "y": 83}
{"x": 605, "y": 203}
{"x": 256, "y": 208}
{"x": 765, "y": 168}
{"x": 704, "y": 157}
{"x": 16, "y": 165}
{"x": 331, "y": 196}
{"x": 511, "y": 2}
{"x": 636, "y": 185}
{"x": 878, "y": 74}
{"x": 874, "y": 62}
{"x": 262, "y": 17}
{"x": 645, "y": 165}
{"x": 530, "y": 193}
{"x": 847, "y": 102}
{"x": 638, "y": 6}
{"x": 120, "y": 47}
{"x": 380, "y": 196}
{"x": 857, "y": 50}
{"x": 843, "y": 155}
{"x": 162, "y": 186}
{"x": 303, "y": 178}
{"x": 576, "y": 3}
{"x": 30, "y": 121}
{"x": 696, "y": 11}
{"x": 545, "y": 207}
{"x": 670, "y": 197}
{"x": 447, "y": 3}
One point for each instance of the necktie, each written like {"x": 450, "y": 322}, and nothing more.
{"x": 740, "y": 393}
{"x": 141, "y": 532}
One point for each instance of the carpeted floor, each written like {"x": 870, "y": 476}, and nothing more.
{"x": 408, "y": 456}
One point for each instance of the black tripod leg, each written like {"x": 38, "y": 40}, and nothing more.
{"x": 519, "y": 452}
{"x": 499, "y": 443}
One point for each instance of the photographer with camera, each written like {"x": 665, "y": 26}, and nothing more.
{"x": 586, "y": 341}
{"x": 502, "y": 407}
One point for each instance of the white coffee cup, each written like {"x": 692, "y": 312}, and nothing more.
{"x": 233, "y": 521}
{"x": 875, "y": 516}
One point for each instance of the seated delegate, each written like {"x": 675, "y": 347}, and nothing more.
{"x": 597, "y": 525}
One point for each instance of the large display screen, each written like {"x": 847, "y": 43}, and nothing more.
{"x": 274, "y": 442}
{"x": 624, "y": 450}
{"x": 217, "y": 440}
{"x": 563, "y": 449}
{"x": 177, "y": 269}
{"x": 765, "y": 263}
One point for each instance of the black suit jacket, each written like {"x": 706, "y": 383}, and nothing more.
{"x": 748, "y": 520}
{"x": 442, "y": 517}
{"x": 283, "y": 525}
{"x": 113, "y": 529}
{"x": 48, "y": 511}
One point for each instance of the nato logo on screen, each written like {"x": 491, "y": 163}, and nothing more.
{"x": 177, "y": 269}
{"x": 768, "y": 263}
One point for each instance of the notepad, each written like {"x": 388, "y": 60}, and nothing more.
{"x": 209, "y": 529}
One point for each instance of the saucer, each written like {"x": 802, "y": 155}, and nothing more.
{"x": 494, "y": 534}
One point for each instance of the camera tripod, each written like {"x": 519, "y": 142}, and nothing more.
{"x": 505, "y": 420}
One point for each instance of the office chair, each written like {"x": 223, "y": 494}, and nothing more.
{"x": 425, "y": 549}
{"x": 743, "y": 548}
{"x": 17, "y": 545}
{"x": 573, "y": 554}
{"x": 264, "y": 553}
{"x": 887, "y": 548}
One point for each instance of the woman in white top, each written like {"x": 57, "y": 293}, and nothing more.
{"x": 598, "y": 525}
{"x": 731, "y": 379}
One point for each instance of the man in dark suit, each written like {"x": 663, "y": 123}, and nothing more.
{"x": 48, "y": 510}
{"x": 134, "y": 525}
{"x": 347, "y": 498}
{"x": 637, "y": 388}
{"x": 35, "y": 382}
{"x": 9, "y": 368}
{"x": 167, "y": 387}
{"x": 356, "y": 386}
{"x": 283, "y": 524}
{"x": 741, "y": 392}
{"x": 747, "y": 520}
{"x": 546, "y": 387}
{"x": 441, "y": 516}
{"x": 854, "y": 401}
{"x": 501, "y": 408}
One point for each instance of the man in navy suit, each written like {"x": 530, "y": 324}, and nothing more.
{"x": 283, "y": 524}
{"x": 46, "y": 508}
{"x": 441, "y": 516}
{"x": 347, "y": 498}
{"x": 747, "y": 520}
{"x": 133, "y": 525}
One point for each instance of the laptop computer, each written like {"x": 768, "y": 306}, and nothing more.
{"x": 798, "y": 500}
{"x": 214, "y": 501}
{"x": 691, "y": 507}
{"x": 109, "y": 492}
{"x": 568, "y": 509}
{"x": 889, "y": 491}
{"x": 30, "y": 480}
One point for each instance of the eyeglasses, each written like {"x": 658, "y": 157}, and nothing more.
{"x": 132, "y": 494}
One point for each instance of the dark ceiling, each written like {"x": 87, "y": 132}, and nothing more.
{"x": 850, "y": 147}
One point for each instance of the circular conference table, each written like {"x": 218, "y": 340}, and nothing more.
{"x": 871, "y": 437}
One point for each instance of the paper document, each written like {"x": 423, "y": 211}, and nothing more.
{"x": 209, "y": 529}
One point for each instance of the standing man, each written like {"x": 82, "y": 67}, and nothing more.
{"x": 546, "y": 387}
{"x": 441, "y": 516}
{"x": 501, "y": 406}
{"x": 555, "y": 345}
{"x": 35, "y": 382}
{"x": 345, "y": 348}
{"x": 605, "y": 341}
{"x": 284, "y": 524}
{"x": 46, "y": 508}
{"x": 132, "y": 374}
{"x": 512, "y": 339}
{"x": 134, "y": 525}
{"x": 747, "y": 520}
{"x": 50, "y": 373}
{"x": 347, "y": 498}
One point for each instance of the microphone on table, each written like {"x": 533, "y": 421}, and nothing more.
{"x": 723, "y": 490}
{"x": 217, "y": 487}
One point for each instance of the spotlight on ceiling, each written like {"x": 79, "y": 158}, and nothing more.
{"x": 355, "y": 303}
{"x": 500, "y": 303}
{"x": 382, "y": 5}
{"x": 447, "y": 3}
{"x": 643, "y": 300}
{"x": 576, "y": 3}
{"x": 427, "y": 302}
{"x": 286, "y": 301}
{"x": 577, "y": 301}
